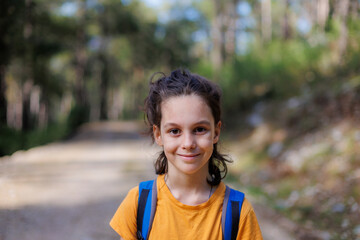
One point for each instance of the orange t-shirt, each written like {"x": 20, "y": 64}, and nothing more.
{"x": 175, "y": 220}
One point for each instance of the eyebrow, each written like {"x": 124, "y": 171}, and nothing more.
{"x": 205, "y": 122}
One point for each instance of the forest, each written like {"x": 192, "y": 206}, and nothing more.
{"x": 289, "y": 71}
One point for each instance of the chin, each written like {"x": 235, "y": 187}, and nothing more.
{"x": 191, "y": 170}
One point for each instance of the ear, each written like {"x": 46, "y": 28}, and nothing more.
{"x": 157, "y": 135}
{"x": 217, "y": 132}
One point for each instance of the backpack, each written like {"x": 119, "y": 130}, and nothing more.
{"x": 230, "y": 218}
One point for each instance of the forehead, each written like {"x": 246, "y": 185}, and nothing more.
{"x": 188, "y": 108}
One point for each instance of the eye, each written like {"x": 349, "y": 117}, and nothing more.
{"x": 174, "y": 131}
{"x": 200, "y": 130}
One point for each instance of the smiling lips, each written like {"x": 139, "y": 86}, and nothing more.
{"x": 189, "y": 157}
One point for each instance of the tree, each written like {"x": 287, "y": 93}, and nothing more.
{"x": 286, "y": 26}
{"x": 114, "y": 20}
{"x": 341, "y": 15}
{"x": 80, "y": 55}
{"x": 10, "y": 26}
{"x": 322, "y": 13}
{"x": 266, "y": 20}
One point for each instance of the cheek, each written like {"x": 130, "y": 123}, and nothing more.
{"x": 206, "y": 143}
{"x": 170, "y": 144}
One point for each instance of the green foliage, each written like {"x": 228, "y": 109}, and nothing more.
{"x": 106, "y": 51}
{"x": 78, "y": 115}
{"x": 10, "y": 27}
{"x": 204, "y": 68}
{"x": 53, "y": 132}
{"x": 12, "y": 140}
{"x": 277, "y": 71}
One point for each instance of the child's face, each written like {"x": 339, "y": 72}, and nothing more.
{"x": 187, "y": 134}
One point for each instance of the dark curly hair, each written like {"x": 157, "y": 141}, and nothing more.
{"x": 182, "y": 82}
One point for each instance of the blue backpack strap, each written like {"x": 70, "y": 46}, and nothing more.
{"x": 230, "y": 218}
{"x": 146, "y": 208}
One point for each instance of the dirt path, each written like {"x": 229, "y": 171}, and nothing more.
{"x": 70, "y": 190}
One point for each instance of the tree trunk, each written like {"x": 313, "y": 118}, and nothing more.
{"x": 286, "y": 24}
{"x": 322, "y": 13}
{"x": 230, "y": 35}
{"x": 341, "y": 12}
{"x": 28, "y": 71}
{"x": 80, "y": 57}
{"x": 217, "y": 54}
{"x": 3, "y": 102}
{"x": 354, "y": 12}
{"x": 26, "y": 113}
{"x": 104, "y": 85}
{"x": 3, "y": 61}
{"x": 80, "y": 70}
{"x": 266, "y": 20}
{"x": 43, "y": 114}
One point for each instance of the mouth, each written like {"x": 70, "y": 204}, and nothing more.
{"x": 189, "y": 157}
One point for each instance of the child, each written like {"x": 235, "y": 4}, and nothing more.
{"x": 183, "y": 116}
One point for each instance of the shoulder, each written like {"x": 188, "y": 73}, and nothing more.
{"x": 133, "y": 193}
{"x": 129, "y": 203}
{"x": 248, "y": 224}
{"x": 124, "y": 219}
{"x": 131, "y": 199}
{"x": 237, "y": 195}
{"x": 246, "y": 209}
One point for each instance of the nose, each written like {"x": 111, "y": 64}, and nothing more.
{"x": 189, "y": 141}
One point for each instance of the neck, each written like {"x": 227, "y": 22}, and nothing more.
{"x": 189, "y": 189}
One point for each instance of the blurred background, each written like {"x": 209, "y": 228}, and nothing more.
{"x": 289, "y": 70}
